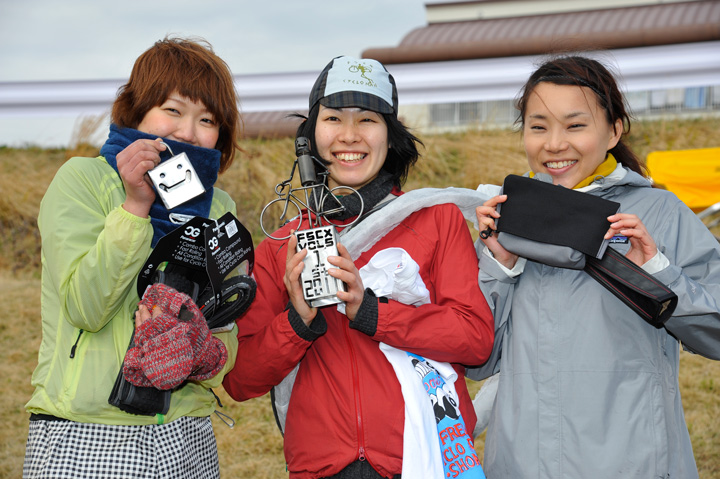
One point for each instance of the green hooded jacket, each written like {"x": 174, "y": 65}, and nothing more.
{"x": 92, "y": 253}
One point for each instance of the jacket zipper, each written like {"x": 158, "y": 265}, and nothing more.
{"x": 356, "y": 393}
{"x": 74, "y": 346}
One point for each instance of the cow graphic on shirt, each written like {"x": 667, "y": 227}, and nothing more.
{"x": 444, "y": 402}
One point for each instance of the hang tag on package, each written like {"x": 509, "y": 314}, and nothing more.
{"x": 185, "y": 246}
{"x": 175, "y": 180}
{"x": 228, "y": 245}
{"x": 210, "y": 250}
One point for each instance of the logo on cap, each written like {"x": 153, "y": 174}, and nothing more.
{"x": 362, "y": 69}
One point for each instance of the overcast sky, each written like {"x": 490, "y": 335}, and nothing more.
{"x": 99, "y": 39}
{"x": 93, "y": 39}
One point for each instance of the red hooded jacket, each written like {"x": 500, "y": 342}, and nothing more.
{"x": 346, "y": 403}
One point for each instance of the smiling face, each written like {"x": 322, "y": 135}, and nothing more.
{"x": 181, "y": 119}
{"x": 354, "y": 141}
{"x": 566, "y": 133}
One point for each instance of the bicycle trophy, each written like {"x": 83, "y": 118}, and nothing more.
{"x": 321, "y": 203}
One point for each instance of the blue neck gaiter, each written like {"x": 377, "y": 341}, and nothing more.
{"x": 206, "y": 162}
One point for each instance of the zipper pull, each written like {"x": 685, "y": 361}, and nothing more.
{"x": 361, "y": 455}
{"x": 74, "y": 346}
{"x": 229, "y": 421}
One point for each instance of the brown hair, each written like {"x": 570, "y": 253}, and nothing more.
{"x": 191, "y": 68}
{"x": 583, "y": 71}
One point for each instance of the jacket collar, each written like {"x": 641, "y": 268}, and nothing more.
{"x": 621, "y": 176}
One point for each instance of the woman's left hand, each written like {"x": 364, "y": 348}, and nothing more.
{"x": 142, "y": 314}
{"x": 346, "y": 272}
{"x": 642, "y": 246}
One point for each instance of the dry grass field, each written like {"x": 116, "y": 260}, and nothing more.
{"x": 253, "y": 448}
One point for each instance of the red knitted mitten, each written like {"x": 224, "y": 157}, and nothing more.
{"x": 209, "y": 352}
{"x": 167, "y": 359}
{"x": 162, "y": 356}
{"x": 134, "y": 358}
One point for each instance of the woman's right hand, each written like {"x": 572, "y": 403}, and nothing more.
{"x": 486, "y": 215}
{"x": 293, "y": 268}
{"x": 133, "y": 164}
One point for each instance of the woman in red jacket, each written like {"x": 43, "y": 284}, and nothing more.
{"x": 414, "y": 292}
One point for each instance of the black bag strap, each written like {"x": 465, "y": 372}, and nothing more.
{"x": 644, "y": 294}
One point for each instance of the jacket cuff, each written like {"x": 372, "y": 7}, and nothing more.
{"x": 309, "y": 333}
{"x": 366, "y": 319}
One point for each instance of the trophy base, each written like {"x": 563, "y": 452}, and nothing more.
{"x": 320, "y": 302}
{"x": 319, "y": 287}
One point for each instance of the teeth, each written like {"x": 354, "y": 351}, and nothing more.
{"x": 350, "y": 156}
{"x": 559, "y": 164}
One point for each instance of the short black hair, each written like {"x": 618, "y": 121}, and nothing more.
{"x": 403, "y": 152}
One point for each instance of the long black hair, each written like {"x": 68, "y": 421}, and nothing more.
{"x": 586, "y": 72}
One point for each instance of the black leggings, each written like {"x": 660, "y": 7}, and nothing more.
{"x": 359, "y": 470}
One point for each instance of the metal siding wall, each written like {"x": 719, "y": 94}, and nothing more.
{"x": 451, "y": 82}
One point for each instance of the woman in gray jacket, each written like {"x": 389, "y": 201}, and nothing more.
{"x": 587, "y": 388}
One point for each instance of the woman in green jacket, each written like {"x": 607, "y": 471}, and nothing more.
{"x": 99, "y": 220}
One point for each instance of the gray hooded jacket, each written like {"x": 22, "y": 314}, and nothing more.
{"x": 587, "y": 388}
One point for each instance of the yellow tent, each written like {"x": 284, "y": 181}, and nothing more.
{"x": 693, "y": 175}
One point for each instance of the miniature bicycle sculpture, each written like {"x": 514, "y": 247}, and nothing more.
{"x": 319, "y": 200}
{"x": 319, "y": 287}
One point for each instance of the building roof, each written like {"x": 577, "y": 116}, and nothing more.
{"x": 271, "y": 124}
{"x": 648, "y": 25}
{"x": 597, "y": 29}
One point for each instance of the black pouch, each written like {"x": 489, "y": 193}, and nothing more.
{"x": 142, "y": 401}
{"x": 557, "y": 226}
{"x": 554, "y": 215}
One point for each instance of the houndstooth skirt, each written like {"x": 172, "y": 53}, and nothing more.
{"x": 184, "y": 448}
